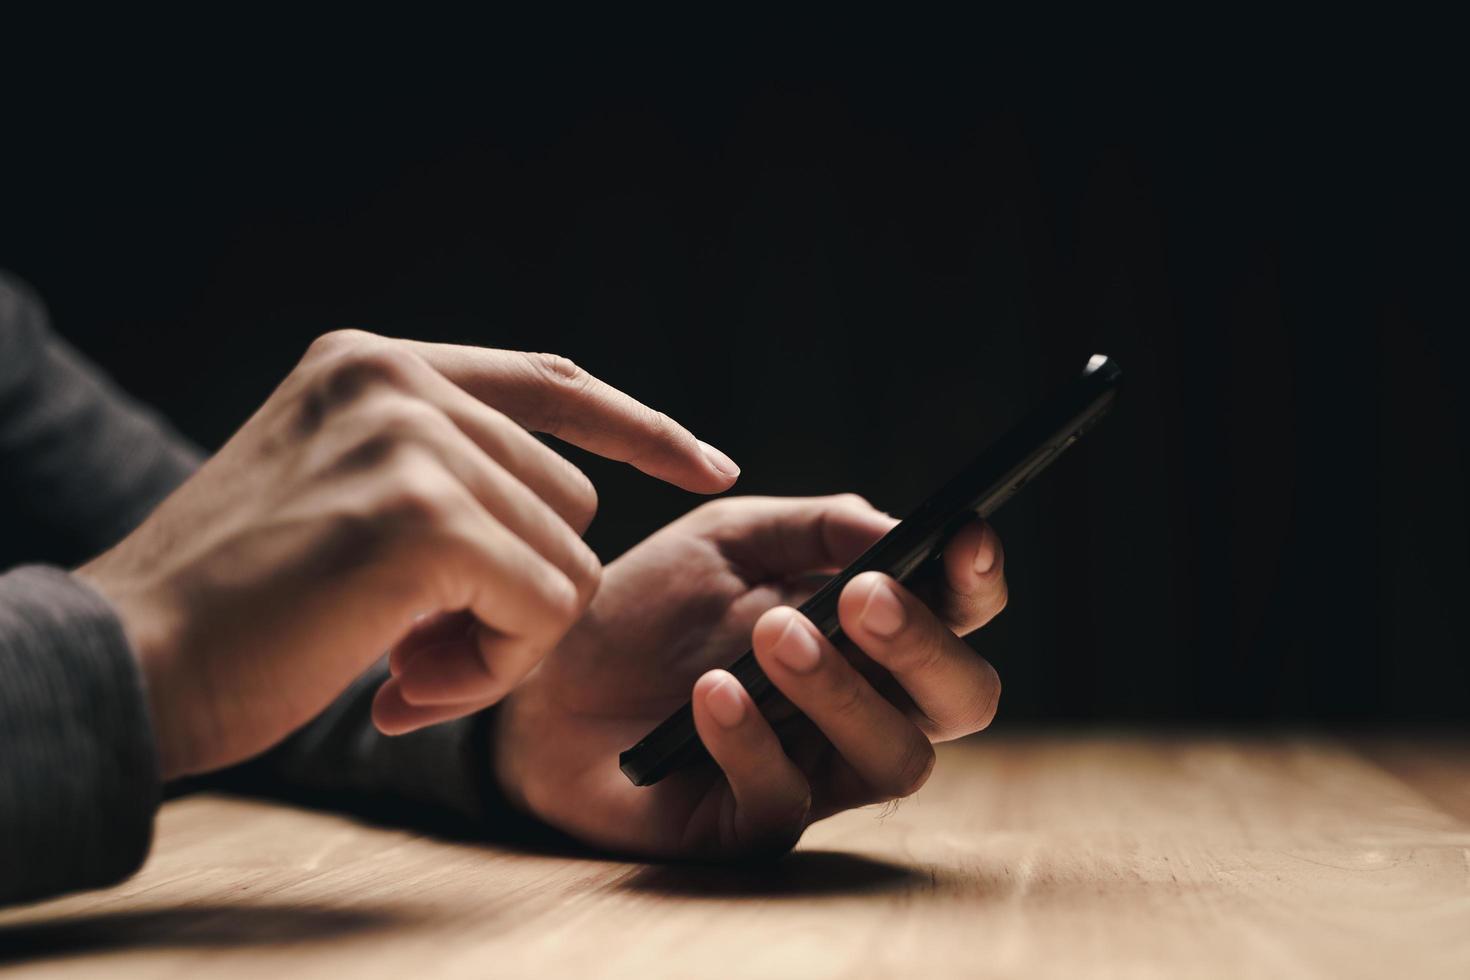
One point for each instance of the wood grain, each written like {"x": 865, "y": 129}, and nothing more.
{"x": 1037, "y": 856}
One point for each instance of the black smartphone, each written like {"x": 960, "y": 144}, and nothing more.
{"x": 989, "y": 481}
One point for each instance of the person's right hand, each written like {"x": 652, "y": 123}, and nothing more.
{"x": 383, "y": 481}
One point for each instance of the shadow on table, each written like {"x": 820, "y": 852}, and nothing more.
{"x": 801, "y": 874}
{"x": 190, "y": 926}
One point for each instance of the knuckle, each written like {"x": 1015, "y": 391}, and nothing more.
{"x": 779, "y": 831}
{"x": 584, "y": 500}
{"x": 321, "y": 381}
{"x": 988, "y": 705}
{"x": 563, "y": 601}
{"x": 369, "y": 452}
{"x": 662, "y": 427}
{"x": 415, "y": 493}
{"x": 388, "y": 431}
{"x": 558, "y": 373}
{"x": 556, "y": 369}
{"x": 351, "y": 373}
{"x": 558, "y": 377}
{"x": 335, "y": 341}
{"x": 846, "y": 694}
{"x": 999, "y": 600}
{"x": 404, "y": 419}
{"x": 392, "y": 432}
{"x": 917, "y": 657}
{"x": 580, "y": 565}
{"x": 969, "y": 711}
{"x": 714, "y": 513}
{"x": 360, "y": 367}
{"x": 913, "y": 769}
{"x": 589, "y": 566}
{"x": 589, "y": 575}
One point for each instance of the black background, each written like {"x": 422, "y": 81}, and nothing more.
{"x": 851, "y": 274}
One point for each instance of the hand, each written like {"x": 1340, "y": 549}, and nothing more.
{"x": 684, "y": 601}
{"x": 384, "y": 480}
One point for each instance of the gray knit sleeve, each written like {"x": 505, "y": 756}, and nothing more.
{"x": 80, "y": 457}
{"x": 436, "y": 776}
{"x": 79, "y": 779}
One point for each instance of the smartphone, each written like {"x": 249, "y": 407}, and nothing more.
{"x": 980, "y": 488}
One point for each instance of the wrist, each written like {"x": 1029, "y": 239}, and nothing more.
{"x": 158, "y": 664}
{"x": 502, "y": 763}
{"x": 506, "y": 801}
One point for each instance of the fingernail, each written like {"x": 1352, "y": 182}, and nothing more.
{"x": 883, "y": 613}
{"x": 985, "y": 554}
{"x": 718, "y": 460}
{"x": 797, "y": 649}
{"x": 725, "y": 703}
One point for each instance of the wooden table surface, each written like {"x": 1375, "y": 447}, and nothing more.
{"x": 1025, "y": 856}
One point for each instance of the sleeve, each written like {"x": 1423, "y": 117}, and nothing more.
{"x": 79, "y": 778}
{"x": 434, "y": 778}
{"x": 81, "y": 458}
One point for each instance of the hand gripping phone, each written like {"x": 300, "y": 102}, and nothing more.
{"x": 994, "y": 477}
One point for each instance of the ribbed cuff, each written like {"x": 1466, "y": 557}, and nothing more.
{"x": 435, "y": 779}
{"x": 338, "y": 760}
{"x": 79, "y": 779}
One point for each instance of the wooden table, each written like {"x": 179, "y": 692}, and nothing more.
{"x": 1026, "y": 856}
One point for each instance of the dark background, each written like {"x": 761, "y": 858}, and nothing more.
{"x": 851, "y": 276}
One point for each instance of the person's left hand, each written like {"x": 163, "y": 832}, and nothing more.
{"x": 684, "y": 601}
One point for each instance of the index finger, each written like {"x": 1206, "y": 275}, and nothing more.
{"x": 548, "y": 393}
